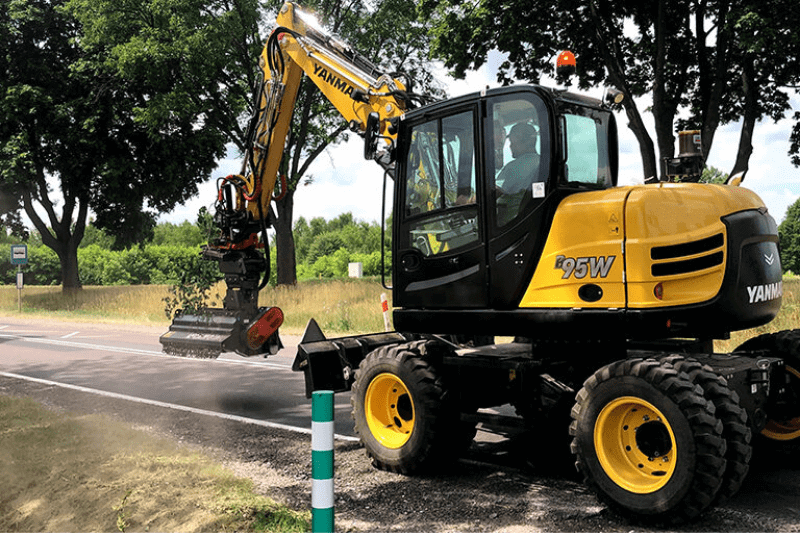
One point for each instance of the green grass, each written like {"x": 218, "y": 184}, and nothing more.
{"x": 341, "y": 307}
{"x": 788, "y": 318}
{"x": 64, "y": 472}
{"x": 127, "y": 303}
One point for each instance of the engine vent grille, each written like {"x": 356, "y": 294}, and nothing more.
{"x": 707, "y": 249}
{"x": 676, "y": 251}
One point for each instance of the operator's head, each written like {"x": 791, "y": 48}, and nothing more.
{"x": 522, "y": 139}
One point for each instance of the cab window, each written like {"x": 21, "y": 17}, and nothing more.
{"x": 586, "y": 142}
{"x": 440, "y": 190}
{"x": 519, "y": 156}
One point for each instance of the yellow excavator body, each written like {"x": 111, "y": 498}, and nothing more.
{"x": 609, "y": 237}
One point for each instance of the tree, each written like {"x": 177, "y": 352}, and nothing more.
{"x": 122, "y": 106}
{"x": 43, "y": 114}
{"x": 324, "y": 248}
{"x": 94, "y": 235}
{"x": 393, "y": 39}
{"x": 717, "y": 59}
{"x": 713, "y": 175}
{"x": 789, "y": 235}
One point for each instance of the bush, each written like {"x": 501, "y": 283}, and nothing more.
{"x": 324, "y": 250}
{"x": 91, "y": 264}
{"x": 43, "y": 268}
{"x": 8, "y": 271}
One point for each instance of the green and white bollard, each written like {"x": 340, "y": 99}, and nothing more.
{"x": 322, "y": 461}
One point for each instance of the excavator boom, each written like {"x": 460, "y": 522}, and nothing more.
{"x": 367, "y": 98}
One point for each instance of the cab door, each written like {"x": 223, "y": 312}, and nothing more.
{"x": 520, "y": 194}
{"x": 440, "y": 256}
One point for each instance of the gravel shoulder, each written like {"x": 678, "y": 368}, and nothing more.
{"x": 481, "y": 493}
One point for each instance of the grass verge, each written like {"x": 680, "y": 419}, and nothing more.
{"x": 344, "y": 306}
{"x": 90, "y": 473}
{"x": 788, "y": 318}
{"x": 341, "y": 307}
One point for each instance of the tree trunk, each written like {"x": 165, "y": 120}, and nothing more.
{"x": 284, "y": 241}
{"x": 718, "y": 78}
{"x": 70, "y": 276}
{"x": 663, "y": 111}
{"x": 66, "y": 234}
{"x": 609, "y": 49}
{"x": 636, "y": 125}
{"x": 749, "y": 121}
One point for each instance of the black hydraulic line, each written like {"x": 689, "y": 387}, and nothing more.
{"x": 383, "y": 232}
{"x": 265, "y": 238}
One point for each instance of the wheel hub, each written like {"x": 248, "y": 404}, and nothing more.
{"x": 788, "y": 427}
{"x": 635, "y": 445}
{"x": 389, "y": 410}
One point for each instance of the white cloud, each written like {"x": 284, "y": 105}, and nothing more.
{"x": 342, "y": 182}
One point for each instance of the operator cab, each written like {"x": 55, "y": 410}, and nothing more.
{"x": 478, "y": 180}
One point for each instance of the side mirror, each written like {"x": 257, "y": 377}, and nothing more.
{"x": 372, "y": 134}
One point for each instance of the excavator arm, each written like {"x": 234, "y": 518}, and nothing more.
{"x": 350, "y": 82}
{"x": 371, "y": 101}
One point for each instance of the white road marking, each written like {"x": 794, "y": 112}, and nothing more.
{"x": 68, "y": 335}
{"x": 234, "y": 418}
{"x": 4, "y": 327}
{"x": 136, "y": 351}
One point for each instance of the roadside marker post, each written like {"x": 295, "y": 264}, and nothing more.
{"x": 385, "y": 308}
{"x": 322, "y": 461}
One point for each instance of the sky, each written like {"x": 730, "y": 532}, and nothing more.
{"x": 345, "y": 182}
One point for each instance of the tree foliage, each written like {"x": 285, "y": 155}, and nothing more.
{"x": 789, "y": 234}
{"x": 717, "y": 60}
{"x": 138, "y": 265}
{"x": 120, "y": 106}
{"x": 326, "y": 248}
{"x": 713, "y": 175}
{"x": 172, "y": 257}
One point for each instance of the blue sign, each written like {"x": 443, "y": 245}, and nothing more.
{"x": 19, "y": 254}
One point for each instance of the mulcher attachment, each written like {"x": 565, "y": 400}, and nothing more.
{"x": 211, "y": 331}
{"x": 202, "y": 335}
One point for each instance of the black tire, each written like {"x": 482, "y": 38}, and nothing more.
{"x": 782, "y": 427}
{"x": 398, "y": 409}
{"x": 735, "y": 430}
{"x": 659, "y": 453}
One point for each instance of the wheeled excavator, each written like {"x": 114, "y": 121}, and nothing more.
{"x": 508, "y": 223}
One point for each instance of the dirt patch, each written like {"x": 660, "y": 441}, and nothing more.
{"x": 65, "y": 472}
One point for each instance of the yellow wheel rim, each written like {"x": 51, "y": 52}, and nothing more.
{"x": 389, "y": 410}
{"x": 784, "y": 430}
{"x": 635, "y": 445}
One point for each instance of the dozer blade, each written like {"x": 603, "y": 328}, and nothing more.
{"x": 204, "y": 335}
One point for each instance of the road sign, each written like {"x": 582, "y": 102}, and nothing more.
{"x": 19, "y": 281}
{"x": 19, "y": 254}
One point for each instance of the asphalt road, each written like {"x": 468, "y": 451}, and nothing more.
{"x": 127, "y": 360}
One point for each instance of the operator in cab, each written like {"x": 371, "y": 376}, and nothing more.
{"x": 517, "y": 177}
